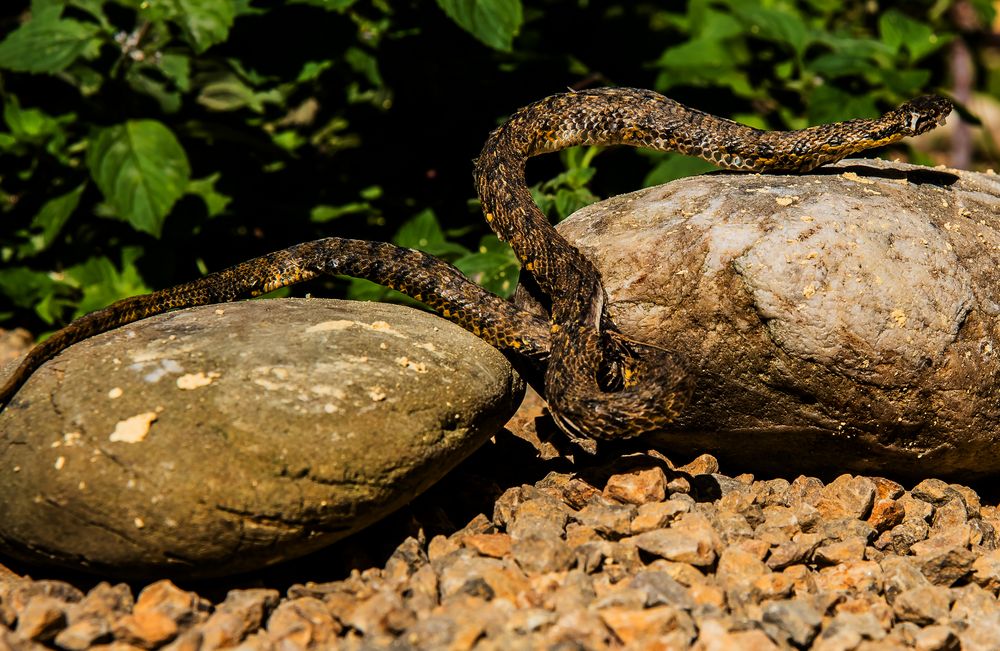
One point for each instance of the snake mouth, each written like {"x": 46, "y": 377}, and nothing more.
{"x": 917, "y": 127}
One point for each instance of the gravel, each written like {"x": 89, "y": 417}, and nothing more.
{"x": 637, "y": 553}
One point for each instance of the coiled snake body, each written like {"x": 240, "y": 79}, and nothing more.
{"x": 599, "y": 383}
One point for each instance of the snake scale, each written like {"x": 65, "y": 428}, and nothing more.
{"x": 599, "y": 384}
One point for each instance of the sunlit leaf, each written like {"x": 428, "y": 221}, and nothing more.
{"x": 494, "y": 266}
{"x": 423, "y": 232}
{"x": 204, "y": 22}
{"x": 215, "y": 201}
{"x": 47, "y": 43}
{"x": 675, "y": 166}
{"x": 899, "y": 31}
{"x": 102, "y": 282}
{"x": 494, "y": 22}
{"x": 53, "y": 215}
{"x": 142, "y": 170}
{"x": 781, "y": 24}
{"x": 329, "y": 5}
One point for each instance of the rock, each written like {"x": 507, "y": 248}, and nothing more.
{"x": 161, "y": 612}
{"x": 542, "y": 554}
{"x": 495, "y": 545}
{"x": 41, "y": 619}
{"x": 541, "y": 516}
{"x": 798, "y": 620}
{"x": 900, "y": 574}
{"x": 612, "y": 520}
{"x": 923, "y": 605}
{"x": 631, "y": 626}
{"x": 304, "y": 622}
{"x": 660, "y": 589}
{"x": 703, "y": 464}
{"x": 797, "y": 550}
{"x": 910, "y": 532}
{"x": 847, "y": 497}
{"x": 942, "y": 561}
{"x": 240, "y": 614}
{"x": 936, "y": 638}
{"x": 842, "y": 317}
{"x": 218, "y": 439}
{"x": 83, "y": 634}
{"x": 637, "y": 487}
{"x": 933, "y": 491}
{"x": 852, "y": 549}
{"x": 987, "y": 571}
{"x": 690, "y": 540}
{"x": 654, "y": 515}
{"x": 713, "y": 637}
{"x": 886, "y": 514}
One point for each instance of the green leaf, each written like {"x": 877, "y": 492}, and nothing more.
{"x": 423, "y": 232}
{"x": 53, "y": 216}
{"x": 102, "y": 283}
{"x": 572, "y": 178}
{"x": 782, "y": 25}
{"x": 905, "y": 82}
{"x": 830, "y": 104}
{"x": 899, "y": 31}
{"x": 176, "y": 68}
{"x": 205, "y": 22}
{"x": 225, "y": 91}
{"x": 322, "y": 213}
{"x": 839, "y": 64}
{"x": 33, "y": 125}
{"x": 47, "y": 43}
{"x": 569, "y": 200}
{"x": 494, "y": 22}
{"x": 986, "y": 10}
{"x": 311, "y": 70}
{"x": 675, "y": 166}
{"x": 35, "y": 290}
{"x": 330, "y": 5}
{"x": 142, "y": 170}
{"x": 215, "y": 202}
{"x": 168, "y": 99}
{"x": 93, "y": 7}
{"x": 359, "y": 289}
{"x": 704, "y": 62}
{"x": 494, "y": 266}
{"x": 23, "y": 286}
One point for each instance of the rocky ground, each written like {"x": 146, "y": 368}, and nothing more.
{"x": 510, "y": 552}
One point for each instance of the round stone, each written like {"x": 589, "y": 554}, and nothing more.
{"x": 223, "y": 438}
{"x": 841, "y": 320}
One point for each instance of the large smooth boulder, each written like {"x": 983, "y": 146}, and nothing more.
{"x": 223, "y": 438}
{"x": 841, "y": 320}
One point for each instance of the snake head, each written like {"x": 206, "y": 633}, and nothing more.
{"x": 922, "y": 114}
{"x": 653, "y": 388}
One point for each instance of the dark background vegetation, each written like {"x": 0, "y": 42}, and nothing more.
{"x": 145, "y": 143}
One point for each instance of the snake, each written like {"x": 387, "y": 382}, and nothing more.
{"x": 599, "y": 383}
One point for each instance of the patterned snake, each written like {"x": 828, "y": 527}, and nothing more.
{"x": 599, "y": 384}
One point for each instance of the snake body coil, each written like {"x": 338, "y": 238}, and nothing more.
{"x": 599, "y": 384}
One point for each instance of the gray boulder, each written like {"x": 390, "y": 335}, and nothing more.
{"x": 224, "y": 438}
{"x": 841, "y": 320}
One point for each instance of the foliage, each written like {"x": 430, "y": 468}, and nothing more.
{"x": 147, "y": 141}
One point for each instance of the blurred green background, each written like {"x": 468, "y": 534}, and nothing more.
{"x": 147, "y": 142}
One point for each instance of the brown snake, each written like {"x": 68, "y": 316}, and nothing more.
{"x": 599, "y": 383}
